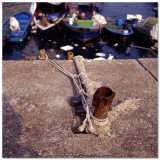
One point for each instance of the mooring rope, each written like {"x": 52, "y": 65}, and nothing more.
{"x": 76, "y": 79}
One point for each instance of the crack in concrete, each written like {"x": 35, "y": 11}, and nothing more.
{"x": 147, "y": 70}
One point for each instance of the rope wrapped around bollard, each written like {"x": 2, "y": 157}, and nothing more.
{"x": 81, "y": 81}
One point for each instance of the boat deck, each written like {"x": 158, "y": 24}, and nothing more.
{"x": 113, "y": 27}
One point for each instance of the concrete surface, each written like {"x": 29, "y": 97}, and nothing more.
{"x": 150, "y": 66}
{"x": 37, "y": 116}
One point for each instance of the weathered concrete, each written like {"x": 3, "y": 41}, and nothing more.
{"x": 37, "y": 117}
{"x": 150, "y": 66}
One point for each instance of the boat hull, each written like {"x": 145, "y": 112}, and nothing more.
{"x": 122, "y": 36}
{"x": 46, "y": 30}
{"x": 60, "y": 12}
{"x": 24, "y": 18}
{"x": 83, "y": 34}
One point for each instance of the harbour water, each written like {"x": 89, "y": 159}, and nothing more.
{"x": 58, "y": 38}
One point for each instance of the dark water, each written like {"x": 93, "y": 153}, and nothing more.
{"x": 59, "y": 37}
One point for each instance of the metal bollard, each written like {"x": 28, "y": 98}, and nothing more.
{"x": 70, "y": 55}
{"x": 42, "y": 54}
{"x": 102, "y": 100}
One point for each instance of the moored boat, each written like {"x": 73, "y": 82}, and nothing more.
{"x": 146, "y": 31}
{"x": 118, "y": 32}
{"x": 24, "y": 18}
{"x": 147, "y": 28}
{"x": 80, "y": 22}
{"x": 47, "y": 15}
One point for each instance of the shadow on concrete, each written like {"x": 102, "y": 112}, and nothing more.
{"x": 77, "y": 118}
{"x": 11, "y": 130}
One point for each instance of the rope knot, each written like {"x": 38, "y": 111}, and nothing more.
{"x": 74, "y": 75}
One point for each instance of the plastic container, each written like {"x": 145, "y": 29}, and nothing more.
{"x": 85, "y": 23}
{"x": 119, "y": 22}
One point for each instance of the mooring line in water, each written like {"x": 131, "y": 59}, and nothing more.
{"x": 141, "y": 47}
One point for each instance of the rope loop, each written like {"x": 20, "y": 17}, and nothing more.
{"x": 98, "y": 122}
{"x": 83, "y": 74}
{"x": 77, "y": 81}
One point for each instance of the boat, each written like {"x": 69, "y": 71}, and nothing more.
{"x": 147, "y": 28}
{"x": 146, "y": 31}
{"x": 117, "y": 31}
{"x": 24, "y": 18}
{"x": 80, "y": 24}
{"x": 47, "y": 16}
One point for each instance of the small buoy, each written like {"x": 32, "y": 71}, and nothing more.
{"x": 42, "y": 54}
{"x": 100, "y": 54}
{"x": 70, "y": 55}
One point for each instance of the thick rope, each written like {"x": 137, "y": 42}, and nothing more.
{"x": 87, "y": 123}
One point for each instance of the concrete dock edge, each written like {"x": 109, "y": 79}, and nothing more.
{"x": 37, "y": 116}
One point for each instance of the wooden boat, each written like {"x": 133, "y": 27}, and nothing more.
{"x": 54, "y": 13}
{"x": 118, "y": 33}
{"x": 82, "y": 27}
{"x": 147, "y": 28}
{"x": 24, "y": 18}
{"x": 146, "y": 31}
